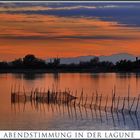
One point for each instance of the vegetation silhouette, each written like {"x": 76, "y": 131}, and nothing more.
{"x": 31, "y": 62}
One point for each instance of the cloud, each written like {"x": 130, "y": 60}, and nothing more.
{"x": 123, "y": 13}
{"x": 39, "y": 37}
{"x": 41, "y": 8}
{"x": 44, "y": 27}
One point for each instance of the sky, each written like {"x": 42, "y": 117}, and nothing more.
{"x": 60, "y": 29}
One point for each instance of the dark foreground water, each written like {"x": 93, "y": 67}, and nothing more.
{"x": 27, "y": 115}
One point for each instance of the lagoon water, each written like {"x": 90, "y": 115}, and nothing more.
{"x": 26, "y": 116}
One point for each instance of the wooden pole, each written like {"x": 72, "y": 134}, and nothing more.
{"x": 114, "y": 95}
{"x": 24, "y": 93}
{"x": 75, "y": 99}
{"x": 106, "y": 103}
{"x": 128, "y": 96}
{"x": 137, "y": 103}
{"x": 112, "y": 101}
{"x": 130, "y": 109}
{"x": 92, "y": 100}
{"x": 96, "y": 100}
{"x": 18, "y": 92}
{"x": 80, "y": 98}
{"x": 118, "y": 103}
{"x": 100, "y": 102}
{"x": 85, "y": 100}
{"x": 123, "y": 104}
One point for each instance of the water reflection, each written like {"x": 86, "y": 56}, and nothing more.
{"x": 81, "y": 113}
{"x": 43, "y": 116}
{"x": 29, "y": 76}
{"x": 81, "y": 108}
{"x": 128, "y": 75}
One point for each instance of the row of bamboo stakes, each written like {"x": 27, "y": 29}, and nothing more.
{"x": 39, "y": 95}
{"x": 114, "y": 103}
{"x": 80, "y": 112}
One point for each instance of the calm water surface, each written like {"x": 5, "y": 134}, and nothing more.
{"x": 54, "y": 117}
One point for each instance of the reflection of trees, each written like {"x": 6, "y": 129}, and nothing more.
{"x": 123, "y": 76}
{"x": 56, "y": 77}
{"x": 29, "y": 76}
{"x": 33, "y": 76}
{"x": 97, "y": 76}
{"x": 128, "y": 75}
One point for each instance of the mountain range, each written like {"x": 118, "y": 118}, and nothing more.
{"x": 112, "y": 58}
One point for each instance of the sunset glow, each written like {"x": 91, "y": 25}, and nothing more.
{"x": 26, "y": 29}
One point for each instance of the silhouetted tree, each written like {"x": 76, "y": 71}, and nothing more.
{"x": 17, "y": 63}
{"x": 56, "y": 61}
{"x": 124, "y": 65}
{"x": 30, "y": 61}
{"x": 4, "y": 65}
{"x": 94, "y": 60}
{"x": 106, "y": 65}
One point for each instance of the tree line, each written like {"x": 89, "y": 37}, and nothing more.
{"x": 32, "y": 62}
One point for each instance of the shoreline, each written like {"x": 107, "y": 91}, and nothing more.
{"x": 63, "y": 71}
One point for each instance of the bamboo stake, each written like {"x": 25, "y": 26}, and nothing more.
{"x": 85, "y": 100}
{"x": 24, "y": 93}
{"x": 31, "y": 94}
{"x": 128, "y": 96}
{"x": 132, "y": 105}
{"x": 60, "y": 96}
{"x": 63, "y": 97}
{"x": 68, "y": 98}
{"x": 118, "y": 103}
{"x": 106, "y": 103}
{"x": 75, "y": 99}
{"x": 114, "y": 95}
{"x": 92, "y": 100}
{"x": 18, "y": 92}
{"x": 123, "y": 104}
{"x": 43, "y": 95}
{"x": 112, "y": 101}
{"x": 137, "y": 103}
{"x": 100, "y": 102}
{"x": 48, "y": 96}
{"x": 96, "y": 100}
{"x": 80, "y": 98}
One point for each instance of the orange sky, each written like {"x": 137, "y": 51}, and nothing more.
{"x": 51, "y": 36}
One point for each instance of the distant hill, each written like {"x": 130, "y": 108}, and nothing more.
{"x": 116, "y": 57}
{"x": 112, "y": 58}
